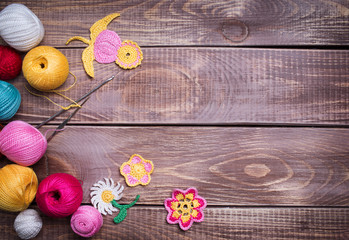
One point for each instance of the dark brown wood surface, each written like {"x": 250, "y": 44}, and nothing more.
{"x": 230, "y": 166}
{"x": 208, "y": 86}
{"x": 220, "y": 223}
{"x": 248, "y": 101}
{"x": 188, "y": 23}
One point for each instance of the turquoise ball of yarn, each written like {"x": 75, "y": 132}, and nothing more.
{"x": 10, "y": 100}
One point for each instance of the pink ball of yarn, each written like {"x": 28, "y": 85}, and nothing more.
{"x": 22, "y": 143}
{"x": 86, "y": 221}
{"x": 59, "y": 195}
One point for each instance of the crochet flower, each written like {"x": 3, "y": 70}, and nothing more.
{"x": 129, "y": 55}
{"x": 103, "y": 193}
{"x": 185, "y": 207}
{"x": 105, "y": 46}
{"x": 137, "y": 170}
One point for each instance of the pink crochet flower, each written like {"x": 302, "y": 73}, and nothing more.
{"x": 137, "y": 170}
{"x": 106, "y": 46}
{"x": 185, "y": 207}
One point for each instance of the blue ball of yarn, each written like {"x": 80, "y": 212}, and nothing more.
{"x": 10, "y": 100}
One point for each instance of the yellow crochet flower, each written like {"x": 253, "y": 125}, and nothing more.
{"x": 137, "y": 170}
{"x": 129, "y": 55}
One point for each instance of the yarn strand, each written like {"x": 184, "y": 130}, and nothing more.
{"x": 58, "y": 92}
{"x": 80, "y": 99}
{"x": 64, "y": 90}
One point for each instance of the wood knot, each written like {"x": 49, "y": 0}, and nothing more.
{"x": 257, "y": 170}
{"x": 235, "y": 30}
{"x": 161, "y": 90}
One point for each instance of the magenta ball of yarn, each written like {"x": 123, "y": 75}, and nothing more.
{"x": 86, "y": 221}
{"x": 22, "y": 143}
{"x": 59, "y": 195}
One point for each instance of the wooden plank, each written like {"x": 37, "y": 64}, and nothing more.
{"x": 208, "y": 86}
{"x": 218, "y": 23}
{"x": 219, "y": 223}
{"x": 229, "y": 166}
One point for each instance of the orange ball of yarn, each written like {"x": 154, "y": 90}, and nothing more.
{"x": 45, "y": 68}
{"x": 18, "y": 186}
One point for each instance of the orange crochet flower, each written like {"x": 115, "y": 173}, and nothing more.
{"x": 137, "y": 170}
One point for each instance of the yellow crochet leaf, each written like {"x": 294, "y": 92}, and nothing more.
{"x": 101, "y": 25}
{"x": 87, "y": 59}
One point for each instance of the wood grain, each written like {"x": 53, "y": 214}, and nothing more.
{"x": 219, "y": 223}
{"x": 229, "y": 166}
{"x": 204, "y": 23}
{"x": 223, "y": 101}
{"x": 208, "y": 86}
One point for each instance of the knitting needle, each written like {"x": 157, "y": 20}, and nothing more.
{"x": 80, "y": 99}
{"x": 62, "y": 125}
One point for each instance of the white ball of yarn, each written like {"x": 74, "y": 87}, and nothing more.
{"x": 28, "y": 224}
{"x": 20, "y": 27}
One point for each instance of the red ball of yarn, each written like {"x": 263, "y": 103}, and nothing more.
{"x": 59, "y": 195}
{"x": 10, "y": 63}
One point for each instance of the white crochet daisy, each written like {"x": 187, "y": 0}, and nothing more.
{"x": 102, "y": 193}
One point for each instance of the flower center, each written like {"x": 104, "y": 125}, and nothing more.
{"x": 185, "y": 207}
{"x": 128, "y": 54}
{"x": 138, "y": 170}
{"x": 107, "y": 196}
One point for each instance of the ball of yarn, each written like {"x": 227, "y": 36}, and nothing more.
{"x": 22, "y": 143}
{"x": 28, "y": 224}
{"x": 10, "y": 63}
{"x": 0, "y": 131}
{"x": 20, "y": 27}
{"x": 45, "y": 68}
{"x": 18, "y": 187}
{"x": 86, "y": 221}
{"x": 10, "y": 100}
{"x": 59, "y": 195}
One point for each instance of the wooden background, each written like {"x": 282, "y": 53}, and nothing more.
{"x": 248, "y": 101}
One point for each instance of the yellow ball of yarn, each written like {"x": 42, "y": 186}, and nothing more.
{"x": 18, "y": 186}
{"x": 45, "y": 68}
